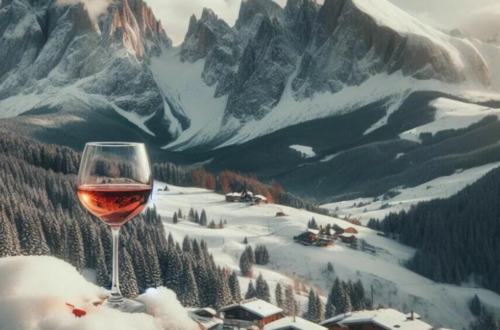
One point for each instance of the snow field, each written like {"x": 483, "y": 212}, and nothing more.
{"x": 451, "y": 114}
{"x": 442, "y": 187}
{"x": 34, "y": 292}
{"x": 394, "y": 285}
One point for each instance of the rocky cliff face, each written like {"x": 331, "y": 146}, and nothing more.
{"x": 61, "y": 50}
{"x": 320, "y": 49}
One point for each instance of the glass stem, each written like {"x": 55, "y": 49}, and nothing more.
{"x": 116, "y": 297}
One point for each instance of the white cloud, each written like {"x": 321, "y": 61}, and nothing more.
{"x": 483, "y": 23}
{"x": 94, "y": 7}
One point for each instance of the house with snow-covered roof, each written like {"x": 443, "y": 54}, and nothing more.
{"x": 382, "y": 319}
{"x": 293, "y": 323}
{"x": 251, "y": 312}
{"x": 206, "y": 317}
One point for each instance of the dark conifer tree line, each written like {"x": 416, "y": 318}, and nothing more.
{"x": 456, "y": 237}
{"x": 40, "y": 215}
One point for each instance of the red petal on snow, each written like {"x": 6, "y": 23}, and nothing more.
{"x": 79, "y": 312}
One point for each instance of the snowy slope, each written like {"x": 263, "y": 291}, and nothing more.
{"x": 451, "y": 114}
{"x": 34, "y": 292}
{"x": 182, "y": 82}
{"x": 441, "y": 305}
{"x": 442, "y": 187}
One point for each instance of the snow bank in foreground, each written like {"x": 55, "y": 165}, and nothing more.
{"x": 34, "y": 292}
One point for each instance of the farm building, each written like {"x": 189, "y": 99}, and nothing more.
{"x": 280, "y": 214}
{"x": 259, "y": 199}
{"x": 206, "y": 317}
{"x": 338, "y": 230}
{"x": 312, "y": 237}
{"x": 350, "y": 230}
{"x": 382, "y": 319}
{"x": 293, "y": 323}
{"x": 348, "y": 238}
{"x": 233, "y": 197}
{"x": 246, "y": 196}
{"x": 251, "y": 312}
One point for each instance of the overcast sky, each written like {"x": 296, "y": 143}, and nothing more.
{"x": 478, "y": 17}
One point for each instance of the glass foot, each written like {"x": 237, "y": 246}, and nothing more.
{"x": 127, "y": 306}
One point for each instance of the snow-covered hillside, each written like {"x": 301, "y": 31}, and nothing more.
{"x": 34, "y": 292}
{"x": 451, "y": 115}
{"x": 394, "y": 285}
{"x": 281, "y": 67}
{"x": 365, "y": 209}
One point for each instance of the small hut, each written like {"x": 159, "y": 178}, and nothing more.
{"x": 350, "y": 230}
{"x": 259, "y": 199}
{"x": 233, "y": 197}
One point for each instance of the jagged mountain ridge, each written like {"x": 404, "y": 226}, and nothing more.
{"x": 314, "y": 49}
{"x": 57, "y": 55}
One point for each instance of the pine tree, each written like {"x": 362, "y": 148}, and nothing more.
{"x": 278, "y": 294}
{"x": 197, "y": 218}
{"x": 179, "y": 214}
{"x": 234, "y": 285}
{"x": 102, "y": 273}
{"x": 173, "y": 276}
{"x": 221, "y": 225}
{"x": 191, "y": 215}
{"x": 154, "y": 275}
{"x": 358, "y": 298}
{"x": 245, "y": 265}
{"x": 212, "y": 225}
{"x": 311, "y": 307}
{"x": 202, "y": 282}
{"x": 475, "y": 306}
{"x": 340, "y": 300}
{"x": 170, "y": 240}
{"x": 7, "y": 244}
{"x": 189, "y": 296}
{"x": 128, "y": 280}
{"x": 261, "y": 255}
{"x": 245, "y": 241}
{"x": 262, "y": 289}
{"x": 487, "y": 321}
{"x": 32, "y": 239}
{"x": 203, "y": 218}
{"x": 250, "y": 291}
{"x": 75, "y": 246}
{"x": 290, "y": 302}
{"x": 175, "y": 218}
{"x": 250, "y": 254}
{"x": 186, "y": 244}
{"x": 320, "y": 309}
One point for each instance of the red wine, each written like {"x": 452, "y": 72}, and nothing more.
{"x": 114, "y": 204}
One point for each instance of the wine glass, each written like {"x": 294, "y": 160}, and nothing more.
{"x": 114, "y": 184}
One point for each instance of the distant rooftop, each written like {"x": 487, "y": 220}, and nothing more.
{"x": 296, "y": 323}
{"x": 389, "y": 319}
{"x": 256, "y": 306}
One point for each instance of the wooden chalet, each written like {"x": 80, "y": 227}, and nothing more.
{"x": 251, "y": 312}
{"x": 350, "y": 230}
{"x": 233, "y": 197}
{"x": 259, "y": 199}
{"x": 382, "y": 319}
{"x": 312, "y": 237}
{"x": 280, "y": 214}
{"x": 206, "y": 318}
{"x": 293, "y": 323}
{"x": 350, "y": 239}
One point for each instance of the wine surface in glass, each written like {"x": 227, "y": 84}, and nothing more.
{"x": 114, "y": 204}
